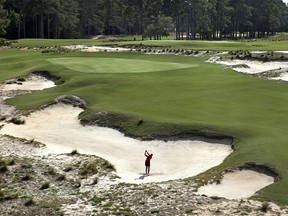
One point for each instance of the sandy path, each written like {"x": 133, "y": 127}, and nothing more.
{"x": 59, "y": 128}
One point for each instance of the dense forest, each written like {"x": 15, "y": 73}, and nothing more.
{"x": 186, "y": 19}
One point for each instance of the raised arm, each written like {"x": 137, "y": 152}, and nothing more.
{"x": 146, "y": 153}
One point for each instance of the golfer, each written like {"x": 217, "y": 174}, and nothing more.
{"x": 147, "y": 161}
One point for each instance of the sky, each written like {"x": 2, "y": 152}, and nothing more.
{"x": 286, "y": 1}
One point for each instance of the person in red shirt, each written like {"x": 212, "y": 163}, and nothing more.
{"x": 147, "y": 161}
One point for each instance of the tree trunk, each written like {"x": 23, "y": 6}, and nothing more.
{"x": 48, "y": 26}
{"x": 188, "y": 25}
{"x": 24, "y": 26}
{"x": 41, "y": 21}
{"x": 19, "y": 26}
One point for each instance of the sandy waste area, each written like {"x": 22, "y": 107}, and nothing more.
{"x": 58, "y": 127}
{"x": 254, "y": 67}
{"x": 85, "y": 48}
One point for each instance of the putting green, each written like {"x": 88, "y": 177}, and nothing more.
{"x": 117, "y": 65}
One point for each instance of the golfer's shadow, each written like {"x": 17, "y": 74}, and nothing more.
{"x": 143, "y": 176}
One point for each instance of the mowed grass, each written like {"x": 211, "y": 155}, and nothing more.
{"x": 116, "y": 65}
{"x": 177, "y": 44}
{"x": 186, "y": 95}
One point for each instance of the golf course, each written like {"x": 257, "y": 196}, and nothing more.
{"x": 171, "y": 95}
{"x": 148, "y": 94}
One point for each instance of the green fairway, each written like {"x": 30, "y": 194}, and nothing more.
{"x": 178, "y": 44}
{"x": 180, "y": 94}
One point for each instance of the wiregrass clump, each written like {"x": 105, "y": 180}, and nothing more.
{"x": 17, "y": 121}
{"x": 45, "y": 186}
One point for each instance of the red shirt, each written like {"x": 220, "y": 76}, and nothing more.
{"x": 148, "y": 158}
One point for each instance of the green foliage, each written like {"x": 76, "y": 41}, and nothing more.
{"x": 45, "y": 185}
{"x": 74, "y": 152}
{"x": 189, "y": 211}
{"x": 264, "y": 207}
{"x": 61, "y": 177}
{"x": 54, "y": 204}
{"x": 26, "y": 177}
{"x": 50, "y": 171}
{"x": 154, "y": 211}
{"x": 97, "y": 200}
{"x": 95, "y": 181}
{"x": 17, "y": 121}
{"x": 3, "y": 166}
{"x": 68, "y": 169}
{"x": 4, "y": 21}
{"x": 215, "y": 197}
{"x": 89, "y": 168}
{"x": 29, "y": 202}
{"x": 107, "y": 166}
{"x": 214, "y": 19}
{"x": 2, "y": 41}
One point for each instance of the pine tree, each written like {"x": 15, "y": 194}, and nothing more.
{"x": 4, "y": 22}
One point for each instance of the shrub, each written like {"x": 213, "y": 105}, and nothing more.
{"x": 17, "y": 121}
{"x": 215, "y": 197}
{"x": 97, "y": 200}
{"x": 107, "y": 166}
{"x": 29, "y": 202}
{"x": 95, "y": 181}
{"x": 2, "y": 41}
{"x": 90, "y": 167}
{"x": 154, "y": 211}
{"x": 189, "y": 211}
{"x": 74, "y": 152}
{"x": 61, "y": 177}
{"x": 140, "y": 122}
{"x": 20, "y": 79}
{"x": 68, "y": 169}
{"x": 11, "y": 162}
{"x": 264, "y": 207}
{"x": 77, "y": 184}
{"x": 44, "y": 186}
{"x": 3, "y": 168}
{"x": 50, "y": 171}
{"x": 27, "y": 177}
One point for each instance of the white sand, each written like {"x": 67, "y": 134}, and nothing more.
{"x": 32, "y": 83}
{"x": 85, "y": 48}
{"x": 283, "y": 77}
{"x": 252, "y": 67}
{"x": 59, "y": 128}
{"x": 238, "y": 185}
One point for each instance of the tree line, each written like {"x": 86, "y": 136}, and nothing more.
{"x": 187, "y": 19}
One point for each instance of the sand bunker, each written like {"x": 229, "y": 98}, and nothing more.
{"x": 84, "y": 48}
{"x": 254, "y": 67}
{"x": 238, "y": 185}
{"x": 59, "y": 128}
{"x": 31, "y": 83}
